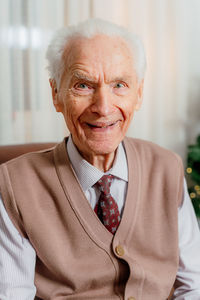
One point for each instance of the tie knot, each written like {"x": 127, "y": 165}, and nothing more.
{"x": 104, "y": 184}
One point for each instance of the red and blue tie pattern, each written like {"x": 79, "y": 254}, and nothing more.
{"x": 106, "y": 208}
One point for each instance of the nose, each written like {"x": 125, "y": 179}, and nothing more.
{"x": 102, "y": 102}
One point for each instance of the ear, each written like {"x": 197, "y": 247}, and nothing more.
{"x": 139, "y": 95}
{"x": 56, "y": 101}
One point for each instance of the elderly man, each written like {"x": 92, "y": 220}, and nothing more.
{"x": 100, "y": 216}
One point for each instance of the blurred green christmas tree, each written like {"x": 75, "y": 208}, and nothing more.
{"x": 193, "y": 174}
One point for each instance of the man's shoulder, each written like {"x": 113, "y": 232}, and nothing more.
{"x": 33, "y": 159}
{"x": 150, "y": 150}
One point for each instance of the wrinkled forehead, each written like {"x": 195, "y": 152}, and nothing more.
{"x": 99, "y": 53}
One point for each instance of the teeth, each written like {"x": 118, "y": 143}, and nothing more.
{"x": 94, "y": 126}
{"x": 100, "y": 126}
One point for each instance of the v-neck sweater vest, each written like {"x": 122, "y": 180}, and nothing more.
{"x": 77, "y": 258}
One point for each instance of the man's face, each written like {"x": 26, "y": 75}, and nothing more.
{"x": 98, "y": 93}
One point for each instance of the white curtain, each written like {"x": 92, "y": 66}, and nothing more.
{"x": 26, "y": 111}
{"x": 170, "y": 30}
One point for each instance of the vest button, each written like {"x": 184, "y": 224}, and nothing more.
{"x": 131, "y": 298}
{"x": 120, "y": 251}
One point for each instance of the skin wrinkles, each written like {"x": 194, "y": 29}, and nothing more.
{"x": 98, "y": 95}
{"x": 82, "y": 76}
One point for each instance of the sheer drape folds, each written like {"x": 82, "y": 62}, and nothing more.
{"x": 26, "y": 111}
{"x": 169, "y": 29}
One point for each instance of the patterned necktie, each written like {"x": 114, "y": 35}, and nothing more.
{"x": 106, "y": 208}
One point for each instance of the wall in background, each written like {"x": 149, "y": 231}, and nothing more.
{"x": 170, "y": 30}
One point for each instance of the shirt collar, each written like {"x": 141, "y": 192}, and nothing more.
{"x": 87, "y": 174}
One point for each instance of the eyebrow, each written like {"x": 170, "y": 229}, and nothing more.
{"x": 79, "y": 75}
{"x": 83, "y": 76}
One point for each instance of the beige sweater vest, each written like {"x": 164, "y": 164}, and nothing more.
{"x": 77, "y": 258}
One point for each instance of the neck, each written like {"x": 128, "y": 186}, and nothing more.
{"x": 102, "y": 162}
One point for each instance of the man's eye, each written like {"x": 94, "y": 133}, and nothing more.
{"x": 82, "y": 86}
{"x": 119, "y": 85}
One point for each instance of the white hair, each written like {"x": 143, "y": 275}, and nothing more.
{"x": 89, "y": 29}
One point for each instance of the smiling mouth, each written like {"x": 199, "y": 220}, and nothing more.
{"x": 102, "y": 125}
